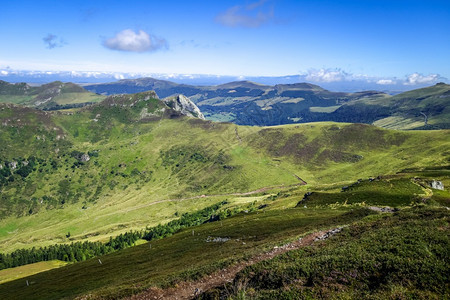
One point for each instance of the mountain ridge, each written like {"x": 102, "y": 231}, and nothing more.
{"x": 249, "y": 103}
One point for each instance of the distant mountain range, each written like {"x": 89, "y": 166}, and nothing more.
{"x": 249, "y": 103}
{"x": 344, "y": 83}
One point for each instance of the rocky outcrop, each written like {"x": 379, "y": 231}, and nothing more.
{"x": 383, "y": 209}
{"x": 13, "y": 165}
{"x": 184, "y": 105}
{"x": 438, "y": 185}
{"x": 85, "y": 157}
{"x": 328, "y": 234}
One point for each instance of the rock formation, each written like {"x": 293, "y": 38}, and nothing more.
{"x": 184, "y": 105}
{"x": 438, "y": 185}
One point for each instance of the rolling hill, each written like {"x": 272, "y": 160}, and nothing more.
{"x": 248, "y": 103}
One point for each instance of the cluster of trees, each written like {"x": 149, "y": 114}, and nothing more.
{"x": 19, "y": 166}
{"x": 207, "y": 214}
{"x": 80, "y": 251}
{"x": 73, "y": 252}
{"x": 65, "y": 252}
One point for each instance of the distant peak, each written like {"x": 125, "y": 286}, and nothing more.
{"x": 300, "y": 86}
{"x": 243, "y": 83}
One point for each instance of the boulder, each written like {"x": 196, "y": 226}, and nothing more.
{"x": 13, "y": 165}
{"x": 85, "y": 157}
{"x": 438, "y": 185}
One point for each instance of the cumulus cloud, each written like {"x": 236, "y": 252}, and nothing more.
{"x": 416, "y": 78}
{"x": 119, "y": 76}
{"x": 326, "y": 75}
{"x": 251, "y": 16}
{"x": 51, "y": 41}
{"x": 131, "y": 41}
{"x": 386, "y": 81}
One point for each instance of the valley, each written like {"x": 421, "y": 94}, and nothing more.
{"x": 135, "y": 163}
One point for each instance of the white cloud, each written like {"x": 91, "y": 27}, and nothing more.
{"x": 251, "y": 16}
{"x": 326, "y": 75}
{"x": 3, "y": 72}
{"x": 141, "y": 41}
{"x": 417, "y": 78}
{"x": 386, "y": 81}
{"x": 119, "y": 76}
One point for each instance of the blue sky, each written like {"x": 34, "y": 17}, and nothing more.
{"x": 328, "y": 41}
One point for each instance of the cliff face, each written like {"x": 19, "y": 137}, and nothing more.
{"x": 184, "y": 105}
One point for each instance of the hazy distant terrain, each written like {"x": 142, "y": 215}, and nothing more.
{"x": 248, "y": 103}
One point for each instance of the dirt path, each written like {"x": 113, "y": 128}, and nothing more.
{"x": 237, "y": 135}
{"x": 190, "y": 289}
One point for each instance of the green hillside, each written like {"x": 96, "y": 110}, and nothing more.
{"x": 147, "y": 162}
{"x": 426, "y": 108}
{"x": 54, "y": 95}
{"x": 131, "y": 162}
{"x": 381, "y": 257}
{"x": 385, "y": 254}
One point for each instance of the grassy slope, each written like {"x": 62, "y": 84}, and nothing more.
{"x": 384, "y": 257}
{"x": 178, "y": 257}
{"x": 16, "y": 99}
{"x": 433, "y": 101}
{"x": 119, "y": 199}
{"x": 405, "y": 191}
{"x": 28, "y": 270}
{"x": 186, "y": 256}
{"x": 72, "y": 98}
